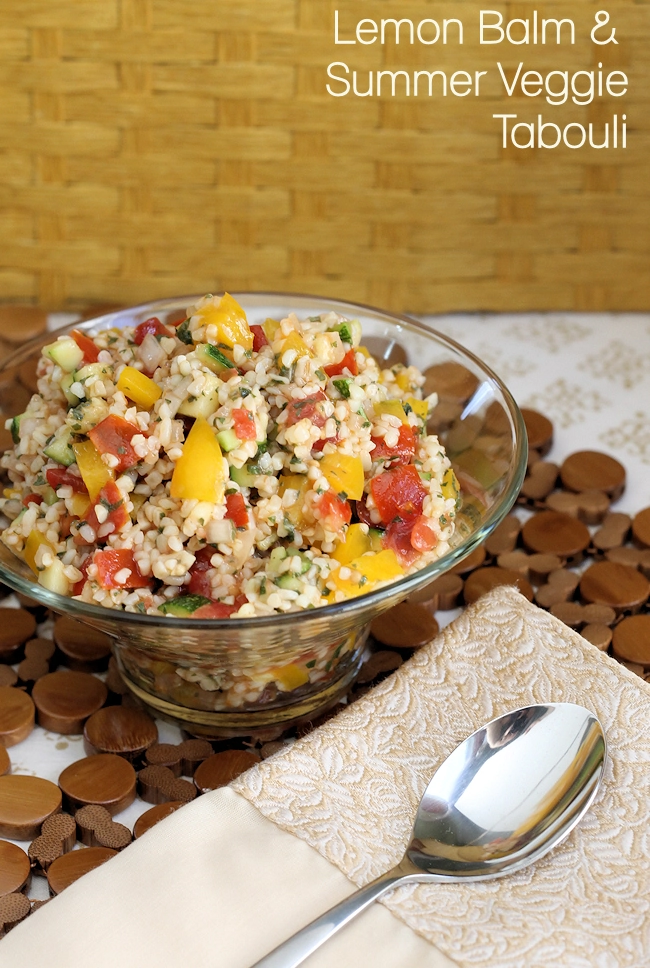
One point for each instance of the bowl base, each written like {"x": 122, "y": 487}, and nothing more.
{"x": 232, "y": 723}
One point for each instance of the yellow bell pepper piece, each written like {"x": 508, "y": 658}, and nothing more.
{"x": 289, "y": 677}
{"x": 420, "y": 407}
{"x": 450, "y": 486}
{"x": 392, "y": 407}
{"x": 230, "y": 320}
{"x": 198, "y": 474}
{"x": 94, "y": 472}
{"x": 33, "y": 543}
{"x": 10, "y": 492}
{"x": 270, "y": 327}
{"x": 366, "y": 352}
{"x": 355, "y": 544}
{"x": 300, "y": 483}
{"x": 366, "y": 572}
{"x": 138, "y": 387}
{"x": 294, "y": 341}
{"x": 344, "y": 474}
{"x": 79, "y": 505}
{"x": 402, "y": 380}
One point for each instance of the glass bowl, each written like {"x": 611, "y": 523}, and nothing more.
{"x": 226, "y": 677}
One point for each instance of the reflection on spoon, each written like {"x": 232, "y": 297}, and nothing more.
{"x": 504, "y": 797}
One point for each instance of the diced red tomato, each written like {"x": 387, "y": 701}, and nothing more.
{"x": 244, "y": 424}
{"x": 398, "y": 493}
{"x": 334, "y": 511}
{"x": 349, "y": 362}
{"x": 215, "y": 610}
{"x": 58, "y": 477}
{"x": 259, "y": 338}
{"x": 423, "y": 537}
{"x": 401, "y": 453}
{"x": 236, "y": 510}
{"x": 113, "y": 436}
{"x": 151, "y": 326}
{"x": 398, "y": 538}
{"x": 86, "y": 345}
{"x": 78, "y": 587}
{"x": 110, "y": 498}
{"x": 299, "y": 409}
{"x": 32, "y": 499}
{"x": 199, "y": 583}
{"x": 320, "y": 444}
{"x": 111, "y": 561}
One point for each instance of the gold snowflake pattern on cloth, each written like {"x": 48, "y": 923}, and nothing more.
{"x": 351, "y": 788}
{"x": 620, "y": 363}
{"x": 567, "y": 403}
{"x": 504, "y": 363}
{"x": 550, "y": 333}
{"x": 631, "y": 436}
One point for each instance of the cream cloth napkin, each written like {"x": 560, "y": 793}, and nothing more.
{"x": 228, "y": 877}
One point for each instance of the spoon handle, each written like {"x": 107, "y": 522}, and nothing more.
{"x": 300, "y": 945}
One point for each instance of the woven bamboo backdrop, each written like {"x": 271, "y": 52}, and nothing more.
{"x": 158, "y": 147}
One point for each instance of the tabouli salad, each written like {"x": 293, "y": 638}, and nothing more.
{"x": 213, "y": 468}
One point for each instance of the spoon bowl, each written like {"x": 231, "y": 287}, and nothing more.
{"x": 504, "y": 797}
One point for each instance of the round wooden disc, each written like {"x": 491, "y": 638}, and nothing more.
{"x": 442, "y": 593}
{"x": 485, "y": 579}
{"x": 27, "y": 372}
{"x": 25, "y": 802}
{"x": 84, "y": 648}
{"x": 13, "y": 909}
{"x": 539, "y": 430}
{"x": 151, "y": 817}
{"x": 474, "y": 560}
{"x": 641, "y": 528}
{"x": 14, "y": 868}
{"x": 504, "y": 537}
{"x": 39, "y": 649}
{"x": 16, "y": 715}
{"x": 18, "y": 324}
{"x": 65, "y": 700}
{"x": 631, "y": 640}
{"x": 589, "y": 470}
{"x": 598, "y": 634}
{"x": 621, "y": 587}
{"x": 378, "y": 666}
{"x": 405, "y": 626}
{"x": 106, "y": 779}
{"x": 16, "y": 626}
{"x": 126, "y": 730}
{"x": 8, "y": 677}
{"x": 5, "y": 762}
{"x": 221, "y": 768}
{"x": 554, "y": 533}
{"x": 70, "y": 867}
{"x": 450, "y": 380}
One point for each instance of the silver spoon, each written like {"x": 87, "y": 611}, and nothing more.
{"x": 504, "y": 797}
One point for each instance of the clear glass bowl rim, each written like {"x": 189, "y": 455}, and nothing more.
{"x": 362, "y": 603}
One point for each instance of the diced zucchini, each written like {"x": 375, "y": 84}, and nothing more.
{"x": 65, "y": 385}
{"x": 49, "y": 496}
{"x": 289, "y": 581}
{"x": 228, "y": 440}
{"x": 242, "y": 476}
{"x": 54, "y": 579}
{"x": 213, "y": 358}
{"x": 207, "y": 401}
{"x": 349, "y": 330}
{"x": 93, "y": 371}
{"x": 183, "y": 333}
{"x": 60, "y": 448}
{"x": 15, "y": 428}
{"x": 183, "y": 605}
{"x": 87, "y": 414}
{"x": 65, "y": 353}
